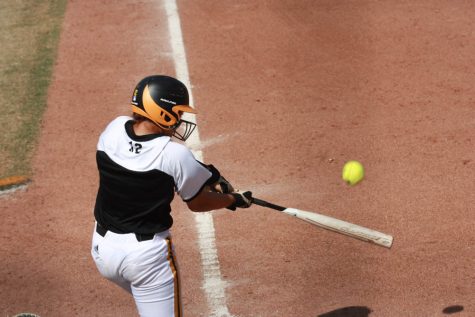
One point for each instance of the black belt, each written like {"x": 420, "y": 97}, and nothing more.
{"x": 140, "y": 237}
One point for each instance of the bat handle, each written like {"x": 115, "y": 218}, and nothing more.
{"x": 264, "y": 203}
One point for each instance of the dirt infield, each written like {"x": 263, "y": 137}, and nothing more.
{"x": 287, "y": 91}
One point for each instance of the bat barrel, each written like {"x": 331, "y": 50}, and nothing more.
{"x": 343, "y": 227}
{"x": 332, "y": 224}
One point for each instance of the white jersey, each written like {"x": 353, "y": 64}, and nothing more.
{"x": 138, "y": 178}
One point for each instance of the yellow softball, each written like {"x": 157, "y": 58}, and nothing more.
{"x": 353, "y": 172}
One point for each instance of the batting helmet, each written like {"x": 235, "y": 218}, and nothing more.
{"x": 163, "y": 99}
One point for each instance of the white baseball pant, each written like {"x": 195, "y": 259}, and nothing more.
{"x": 145, "y": 269}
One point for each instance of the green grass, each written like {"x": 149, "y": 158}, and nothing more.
{"x": 29, "y": 33}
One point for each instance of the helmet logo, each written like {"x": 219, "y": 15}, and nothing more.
{"x": 134, "y": 97}
{"x": 169, "y": 101}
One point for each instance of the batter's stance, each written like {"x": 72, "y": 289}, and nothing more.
{"x": 140, "y": 169}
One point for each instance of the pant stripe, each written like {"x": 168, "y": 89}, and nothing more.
{"x": 173, "y": 266}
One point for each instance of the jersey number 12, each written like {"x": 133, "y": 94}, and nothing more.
{"x": 135, "y": 147}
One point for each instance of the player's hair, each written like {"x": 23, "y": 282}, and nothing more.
{"x": 139, "y": 118}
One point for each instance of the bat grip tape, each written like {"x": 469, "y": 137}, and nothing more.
{"x": 264, "y": 203}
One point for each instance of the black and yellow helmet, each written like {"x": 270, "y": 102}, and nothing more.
{"x": 163, "y": 100}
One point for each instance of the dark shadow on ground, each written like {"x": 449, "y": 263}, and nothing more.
{"x": 351, "y": 311}
{"x": 452, "y": 309}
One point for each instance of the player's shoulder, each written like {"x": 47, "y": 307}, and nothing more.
{"x": 113, "y": 130}
{"x": 176, "y": 148}
{"x": 116, "y": 125}
{"x": 177, "y": 152}
{"x": 118, "y": 122}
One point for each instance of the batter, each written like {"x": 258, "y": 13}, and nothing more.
{"x": 141, "y": 168}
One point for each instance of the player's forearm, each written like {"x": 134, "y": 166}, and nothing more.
{"x": 210, "y": 200}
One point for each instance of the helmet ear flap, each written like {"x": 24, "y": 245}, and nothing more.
{"x": 166, "y": 117}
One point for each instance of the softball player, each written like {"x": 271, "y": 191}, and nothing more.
{"x": 140, "y": 169}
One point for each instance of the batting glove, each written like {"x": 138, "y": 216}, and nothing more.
{"x": 242, "y": 200}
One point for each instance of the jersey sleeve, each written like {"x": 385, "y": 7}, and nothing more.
{"x": 190, "y": 176}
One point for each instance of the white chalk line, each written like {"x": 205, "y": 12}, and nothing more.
{"x": 213, "y": 284}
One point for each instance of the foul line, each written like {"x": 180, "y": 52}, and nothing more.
{"x": 213, "y": 284}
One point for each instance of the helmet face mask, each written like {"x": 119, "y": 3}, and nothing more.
{"x": 183, "y": 129}
{"x": 163, "y": 100}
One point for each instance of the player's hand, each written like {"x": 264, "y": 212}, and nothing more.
{"x": 241, "y": 200}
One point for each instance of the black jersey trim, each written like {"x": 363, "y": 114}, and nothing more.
{"x": 129, "y": 128}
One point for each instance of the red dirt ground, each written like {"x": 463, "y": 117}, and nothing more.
{"x": 287, "y": 91}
